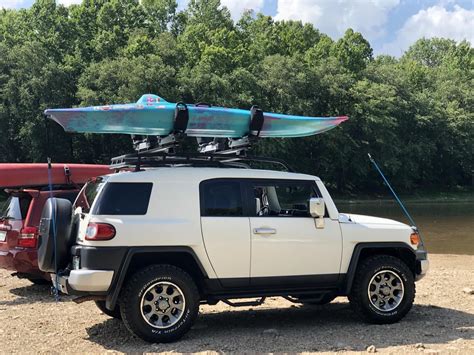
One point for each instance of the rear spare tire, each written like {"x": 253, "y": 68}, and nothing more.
{"x": 55, "y": 226}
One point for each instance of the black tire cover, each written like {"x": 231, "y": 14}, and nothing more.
{"x": 55, "y": 225}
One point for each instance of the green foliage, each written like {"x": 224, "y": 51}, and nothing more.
{"x": 414, "y": 114}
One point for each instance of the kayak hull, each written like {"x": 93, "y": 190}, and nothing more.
{"x": 23, "y": 175}
{"x": 157, "y": 118}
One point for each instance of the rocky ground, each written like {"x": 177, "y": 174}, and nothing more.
{"x": 442, "y": 321}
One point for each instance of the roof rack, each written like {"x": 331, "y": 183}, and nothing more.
{"x": 160, "y": 159}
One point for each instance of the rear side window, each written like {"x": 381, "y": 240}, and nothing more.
{"x": 221, "y": 198}
{"x": 89, "y": 192}
{"x": 123, "y": 198}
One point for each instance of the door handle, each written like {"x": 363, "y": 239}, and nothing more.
{"x": 264, "y": 231}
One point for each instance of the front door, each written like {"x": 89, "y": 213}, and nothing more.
{"x": 286, "y": 245}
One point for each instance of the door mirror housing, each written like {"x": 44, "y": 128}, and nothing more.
{"x": 317, "y": 207}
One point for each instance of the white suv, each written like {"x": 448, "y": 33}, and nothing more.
{"x": 151, "y": 246}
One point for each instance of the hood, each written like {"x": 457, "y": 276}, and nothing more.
{"x": 370, "y": 221}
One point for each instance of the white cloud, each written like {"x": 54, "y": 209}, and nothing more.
{"x": 237, "y": 8}
{"x": 435, "y": 21}
{"x": 334, "y": 17}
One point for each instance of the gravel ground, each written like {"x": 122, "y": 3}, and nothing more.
{"x": 442, "y": 320}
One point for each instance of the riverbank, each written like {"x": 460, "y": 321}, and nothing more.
{"x": 441, "y": 321}
{"x": 464, "y": 195}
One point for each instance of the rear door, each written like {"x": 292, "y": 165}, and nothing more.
{"x": 226, "y": 230}
{"x": 286, "y": 245}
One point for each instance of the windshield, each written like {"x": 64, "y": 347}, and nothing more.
{"x": 88, "y": 194}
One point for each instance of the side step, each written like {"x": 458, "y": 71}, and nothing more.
{"x": 244, "y": 303}
{"x": 83, "y": 299}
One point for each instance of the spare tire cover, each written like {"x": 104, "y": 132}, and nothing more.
{"x": 55, "y": 226}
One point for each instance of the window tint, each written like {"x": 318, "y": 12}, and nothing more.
{"x": 118, "y": 198}
{"x": 221, "y": 198}
{"x": 282, "y": 199}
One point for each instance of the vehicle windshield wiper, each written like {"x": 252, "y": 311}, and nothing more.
{"x": 5, "y": 218}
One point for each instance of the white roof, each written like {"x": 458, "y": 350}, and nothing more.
{"x": 197, "y": 174}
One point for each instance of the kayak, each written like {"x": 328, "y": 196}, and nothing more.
{"x": 152, "y": 115}
{"x": 24, "y": 175}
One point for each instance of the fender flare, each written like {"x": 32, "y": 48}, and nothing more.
{"x": 119, "y": 278}
{"x": 349, "y": 279}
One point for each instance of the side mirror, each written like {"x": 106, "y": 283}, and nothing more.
{"x": 317, "y": 210}
{"x": 317, "y": 207}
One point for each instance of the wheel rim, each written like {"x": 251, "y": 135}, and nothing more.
{"x": 385, "y": 290}
{"x": 162, "y": 305}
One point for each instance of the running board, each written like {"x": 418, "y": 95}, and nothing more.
{"x": 245, "y": 303}
{"x": 83, "y": 299}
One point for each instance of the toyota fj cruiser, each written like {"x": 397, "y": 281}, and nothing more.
{"x": 150, "y": 246}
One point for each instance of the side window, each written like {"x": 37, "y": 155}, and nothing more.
{"x": 123, "y": 198}
{"x": 221, "y": 198}
{"x": 283, "y": 198}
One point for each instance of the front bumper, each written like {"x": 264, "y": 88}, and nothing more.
{"x": 422, "y": 264}
{"x": 84, "y": 281}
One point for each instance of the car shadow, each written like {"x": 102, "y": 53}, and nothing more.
{"x": 333, "y": 327}
{"x": 32, "y": 294}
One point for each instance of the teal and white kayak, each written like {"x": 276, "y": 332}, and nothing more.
{"x": 152, "y": 115}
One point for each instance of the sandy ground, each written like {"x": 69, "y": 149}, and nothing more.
{"x": 442, "y": 320}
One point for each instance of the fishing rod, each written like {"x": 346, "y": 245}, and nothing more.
{"x": 394, "y": 193}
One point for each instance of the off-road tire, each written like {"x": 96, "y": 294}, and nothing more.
{"x": 359, "y": 298}
{"x": 134, "y": 290}
{"x": 115, "y": 313}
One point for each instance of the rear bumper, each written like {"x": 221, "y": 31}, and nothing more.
{"x": 84, "y": 281}
{"x": 22, "y": 260}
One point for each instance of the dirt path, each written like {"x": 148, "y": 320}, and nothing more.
{"x": 442, "y": 320}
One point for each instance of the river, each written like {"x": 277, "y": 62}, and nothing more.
{"x": 446, "y": 227}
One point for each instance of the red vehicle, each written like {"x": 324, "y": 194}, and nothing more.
{"x": 26, "y": 190}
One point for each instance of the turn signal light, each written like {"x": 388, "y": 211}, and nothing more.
{"x": 100, "y": 231}
{"x": 415, "y": 238}
{"x": 28, "y": 237}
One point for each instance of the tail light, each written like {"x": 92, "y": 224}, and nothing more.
{"x": 28, "y": 237}
{"x": 100, "y": 231}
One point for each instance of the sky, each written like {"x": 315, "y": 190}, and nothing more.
{"x": 390, "y": 26}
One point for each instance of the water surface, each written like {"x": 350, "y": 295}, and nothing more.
{"x": 446, "y": 227}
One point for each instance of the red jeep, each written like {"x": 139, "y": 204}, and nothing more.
{"x": 26, "y": 190}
